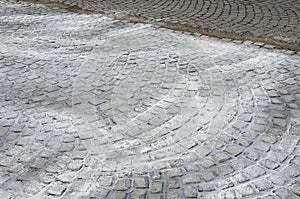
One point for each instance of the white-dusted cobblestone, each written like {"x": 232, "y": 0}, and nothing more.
{"x": 92, "y": 107}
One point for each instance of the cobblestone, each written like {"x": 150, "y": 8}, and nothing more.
{"x": 95, "y": 107}
{"x": 56, "y": 190}
{"x": 261, "y": 19}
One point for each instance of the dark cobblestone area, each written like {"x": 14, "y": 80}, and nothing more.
{"x": 276, "y": 19}
{"x": 93, "y": 107}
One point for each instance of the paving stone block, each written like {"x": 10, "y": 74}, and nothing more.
{"x": 208, "y": 176}
{"x": 263, "y": 185}
{"x": 138, "y": 194}
{"x": 173, "y": 184}
{"x": 269, "y": 164}
{"x": 75, "y": 165}
{"x": 291, "y": 171}
{"x": 46, "y": 178}
{"x": 27, "y": 176}
{"x": 245, "y": 190}
{"x": 141, "y": 182}
{"x": 117, "y": 194}
{"x": 284, "y": 193}
{"x": 190, "y": 192}
{"x": 53, "y": 168}
{"x": 56, "y": 190}
{"x": 278, "y": 179}
{"x": 234, "y": 149}
{"x": 99, "y": 193}
{"x": 66, "y": 177}
{"x": 221, "y": 157}
{"x": 187, "y": 179}
{"x": 66, "y": 147}
{"x": 261, "y": 146}
{"x": 39, "y": 163}
{"x": 122, "y": 184}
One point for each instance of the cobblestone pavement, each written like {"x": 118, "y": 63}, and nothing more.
{"x": 92, "y": 107}
{"x": 276, "y": 19}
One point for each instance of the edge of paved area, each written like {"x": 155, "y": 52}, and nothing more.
{"x": 246, "y": 38}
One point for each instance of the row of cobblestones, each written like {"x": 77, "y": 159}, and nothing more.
{"x": 93, "y": 107}
{"x": 278, "y": 19}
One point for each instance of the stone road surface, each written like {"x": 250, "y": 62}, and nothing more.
{"x": 92, "y": 107}
{"x": 276, "y": 19}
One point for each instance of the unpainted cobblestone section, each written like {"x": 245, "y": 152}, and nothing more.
{"x": 92, "y": 107}
{"x": 275, "y": 19}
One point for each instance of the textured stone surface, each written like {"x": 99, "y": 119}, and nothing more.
{"x": 92, "y": 107}
{"x": 277, "y": 19}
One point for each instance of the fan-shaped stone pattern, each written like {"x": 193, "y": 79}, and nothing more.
{"x": 97, "y": 108}
{"x": 147, "y": 101}
{"x": 273, "y": 19}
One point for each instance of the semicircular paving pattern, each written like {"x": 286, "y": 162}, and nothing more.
{"x": 268, "y": 19}
{"x": 92, "y": 107}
